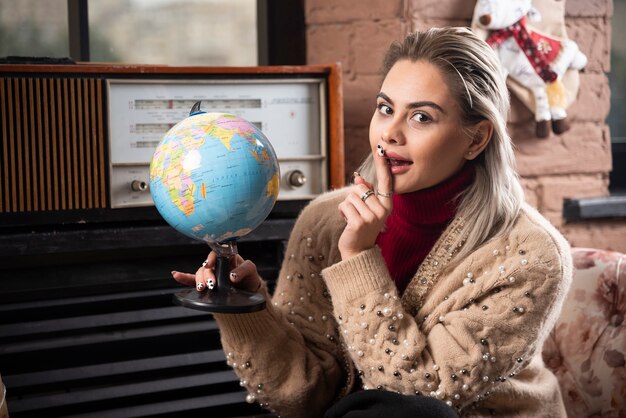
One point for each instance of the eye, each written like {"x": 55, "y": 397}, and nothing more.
{"x": 384, "y": 109}
{"x": 422, "y": 117}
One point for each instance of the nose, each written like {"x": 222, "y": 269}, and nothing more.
{"x": 392, "y": 134}
{"x": 485, "y": 19}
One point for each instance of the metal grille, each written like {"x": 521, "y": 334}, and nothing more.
{"x": 52, "y": 155}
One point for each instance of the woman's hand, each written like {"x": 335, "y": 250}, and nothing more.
{"x": 366, "y": 211}
{"x": 243, "y": 274}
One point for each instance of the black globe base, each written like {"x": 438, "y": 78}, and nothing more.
{"x": 223, "y": 298}
{"x": 230, "y": 300}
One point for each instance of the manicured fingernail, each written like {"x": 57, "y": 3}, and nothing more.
{"x": 233, "y": 276}
{"x": 356, "y": 174}
{"x": 200, "y": 286}
{"x": 210, "y": 284}
{"x": 173, "y": 272}
{"x": 380, "y": 150}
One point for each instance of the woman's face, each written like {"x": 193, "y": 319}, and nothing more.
{"x": 417, "y": 122}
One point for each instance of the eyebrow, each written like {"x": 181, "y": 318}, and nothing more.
{"x": 414, "y": 105}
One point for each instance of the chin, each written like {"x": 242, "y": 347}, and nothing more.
{"x": 402, "y": 189}
{"x": 404, "y": 184}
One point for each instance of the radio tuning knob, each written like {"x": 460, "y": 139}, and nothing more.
{"x": 296, "y": 178}
{"x": 138, "y": 186}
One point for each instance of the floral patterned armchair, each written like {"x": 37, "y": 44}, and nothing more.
{"x": 587, "y": 348}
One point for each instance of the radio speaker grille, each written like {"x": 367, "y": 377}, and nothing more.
{"x": 52, "y": 155}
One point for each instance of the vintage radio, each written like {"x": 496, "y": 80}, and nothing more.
{"x": 77, "y": 140}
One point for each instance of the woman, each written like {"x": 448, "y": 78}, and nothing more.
{"x": 438, "y": 281}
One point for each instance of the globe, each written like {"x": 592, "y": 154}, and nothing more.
{"x": 214, "y": 177}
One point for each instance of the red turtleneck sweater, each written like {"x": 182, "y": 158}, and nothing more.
{"x": 416, "y": 222}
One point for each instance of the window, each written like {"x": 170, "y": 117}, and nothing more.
{"x": 32, "y": 28}
{"x": 617, "y": 81}
{"x": 167, "y": 32}
{"x": 174, "y": 32}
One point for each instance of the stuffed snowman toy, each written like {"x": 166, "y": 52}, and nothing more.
{"x": 534, "y": 60}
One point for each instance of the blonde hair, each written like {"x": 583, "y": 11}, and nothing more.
{"x": 490, "y": 205}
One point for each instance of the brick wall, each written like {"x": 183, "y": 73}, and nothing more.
{"x": 575, "y": 164}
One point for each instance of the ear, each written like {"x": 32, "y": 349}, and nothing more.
{"x": 483, "y": 131}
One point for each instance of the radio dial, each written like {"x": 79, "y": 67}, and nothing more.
{"x": 296, "y": 178}
{"x": 138, "y": 186}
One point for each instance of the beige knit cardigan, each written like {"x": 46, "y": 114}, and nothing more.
{"x": 469, "y": 332}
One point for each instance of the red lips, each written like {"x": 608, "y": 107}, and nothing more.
{"x": 397, "y": 163}
{"x": 396, "y": 159}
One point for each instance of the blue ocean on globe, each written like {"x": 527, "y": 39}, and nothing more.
{"x": 214, "y": 177}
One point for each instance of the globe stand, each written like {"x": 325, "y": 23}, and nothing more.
{"x": 223, "y": 298}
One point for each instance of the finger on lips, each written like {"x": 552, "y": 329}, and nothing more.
{"x": 383, "y": 178}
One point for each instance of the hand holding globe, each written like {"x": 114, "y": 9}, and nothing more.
{"x": 215, "y": 177}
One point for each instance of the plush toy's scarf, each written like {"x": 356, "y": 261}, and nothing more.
{"x": 528, "y": 44}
